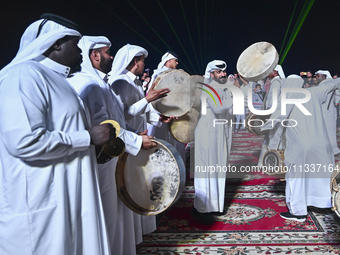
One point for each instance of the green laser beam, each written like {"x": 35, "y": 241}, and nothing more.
{"x": 208, "y": 93}
{"x": 186, "y": 23}
{"x": 179, "y": 41}
{"x": 304, "y": 16}
{"x": 295, "y": 26}
{"x": 291, "y": 18}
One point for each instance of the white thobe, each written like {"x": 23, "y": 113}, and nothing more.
{"x": 308, "y": 144}
{"x": 273, "y": 137}
{"x": 49, "y": 200}
{"x": 103, "y": 104}
{"x": 330, "y": 116}
{"x": 212, "y": 149}
{"x": 132, "y": 96}
{"x": 160, "y": 129}
{"x": 135, "y": 108}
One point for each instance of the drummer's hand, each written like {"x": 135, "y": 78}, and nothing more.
{"x": 100, "y": 134}
{"x": 155, "y": 94}
{"x": 147, "y": 143}
{"x": 243, "y": 80}
{"x": 166, "y": 119}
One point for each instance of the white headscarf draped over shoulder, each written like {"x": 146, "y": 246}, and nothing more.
{"x": 166, "y": 57}
{"x": 123, "y": 58}
{"x": 325, "y": 72}
{"x": 292, "y": 81}
{"x": 279, "y": 69}
{"x": 86, "y": 44}
{"x": 212, "y": 66}
{"x": 32, "y": 47}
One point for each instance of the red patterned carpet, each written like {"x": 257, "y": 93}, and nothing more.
{"x": 251, "y": 224}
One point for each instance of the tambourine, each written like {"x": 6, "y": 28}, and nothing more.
{"x": 113, "y": 148}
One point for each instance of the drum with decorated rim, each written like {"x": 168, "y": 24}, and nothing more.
{"x": 151, "y": 181}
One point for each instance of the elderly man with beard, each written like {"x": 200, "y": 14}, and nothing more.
{"x": 49, "y": 201}
{"x": 212, "y": 147}
{"x": 124, "y": 226}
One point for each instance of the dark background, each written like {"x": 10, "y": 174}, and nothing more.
{"x": 214, "y": 29}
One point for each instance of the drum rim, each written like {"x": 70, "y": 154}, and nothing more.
{"x": 158, "y": 79}
{"x": 281, "y": 160}
{"x": 125, "y": 196}
{"x": 333, "y": 198}
{"x": 265, "y": 72}
{"x": 171, "y": 124}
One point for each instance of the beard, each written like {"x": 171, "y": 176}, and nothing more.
{"x": 105, "y": 64}
{"x": 221, "y": 80}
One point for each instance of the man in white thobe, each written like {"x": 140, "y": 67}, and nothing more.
{"x": 159, "y": 126}
{"x": 309, "y": 154}
{"x": 212, "y": 147}
{"x": 329, "y": 110}
{"x": 277, "y": 78}
{"x": 128, "y": 64}
{"x": 103, "y": 104}
{"x": 50, "y": 199}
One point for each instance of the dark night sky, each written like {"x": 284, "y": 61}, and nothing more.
{"x": 219, "y": 29}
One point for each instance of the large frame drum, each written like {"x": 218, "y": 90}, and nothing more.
{"x": 183, "y": 128}
{"x": 257, "y": 61}
{"x": 181, "y": 96}
{"x": 151, "y": 181}
{"x": 196, "y": 82}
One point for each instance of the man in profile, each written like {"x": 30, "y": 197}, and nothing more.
{"x": 50, "y": 200}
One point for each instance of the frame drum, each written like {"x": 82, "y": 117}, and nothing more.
{"x": 257, "y": 61}
{"x": 151, "y": 181}
{"x": 183, "y": 128}
{"x": 335, "y": 189}
{"x": 274, "y": 159}
{"x": 195, "y": 79}
{"x": 181, "y": 97}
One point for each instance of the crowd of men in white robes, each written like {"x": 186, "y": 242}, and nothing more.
{"x": 56, "y": 199}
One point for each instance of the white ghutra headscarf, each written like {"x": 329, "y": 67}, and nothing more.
{"x": 32, "y": 46}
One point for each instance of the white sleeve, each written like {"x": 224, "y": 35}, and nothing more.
{"x": 23, "y": 127}
{"x": 126, "y": 93}
{"x": 94, "y": 98}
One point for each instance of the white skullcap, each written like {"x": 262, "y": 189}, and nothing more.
{"x": 166, "y": 57}
{"x": 325, "y": 72}
{"x": 279, "y": 69}
{"x": 212, "y": 66}
{"x": 123, "y": 58}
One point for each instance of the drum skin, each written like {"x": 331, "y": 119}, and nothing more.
{"x": 274, "y": 158}
{"x": 151, "y": 181}
{"x": 195, "y": 82}
{"x": 181, "y": 96}
{"x": 183, "y": 128}
{"x": 257, "y": 61}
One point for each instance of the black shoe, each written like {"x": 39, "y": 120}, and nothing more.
{"x": 219, "y": 213}
{"x": 203, "y": 218}
{"x": 289, "y": 216}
